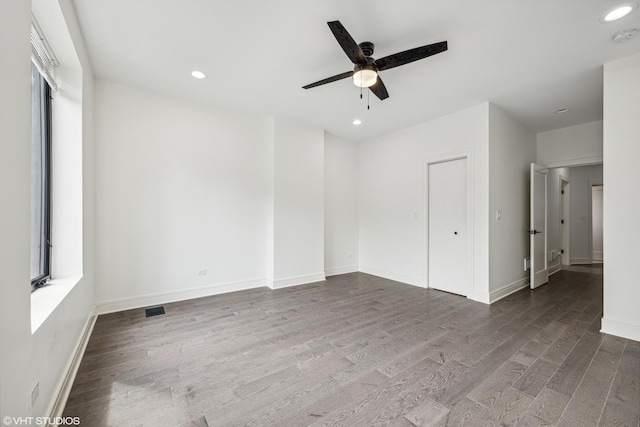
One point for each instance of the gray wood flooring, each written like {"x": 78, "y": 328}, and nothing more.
{"x": 358, "y": 350}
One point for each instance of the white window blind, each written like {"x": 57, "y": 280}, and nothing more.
{"x": 42, "y": 56}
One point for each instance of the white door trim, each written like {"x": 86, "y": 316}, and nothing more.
{"x": 590, "y": 184}
{"x": 565, "y": 232}
{"x": 447, "y": 157}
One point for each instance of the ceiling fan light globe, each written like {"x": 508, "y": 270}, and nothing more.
{"x": 365, "y": 78}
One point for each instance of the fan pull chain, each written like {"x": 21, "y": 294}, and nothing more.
{"x": 368, "y": 98}
{"x": 360, "y": 92}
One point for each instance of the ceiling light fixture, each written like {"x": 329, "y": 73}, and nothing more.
{"x": 357, "y": 122}
{"x": 198, "y": 74}
{"x": 562, "y": 110}
{"x": 619, "y": 12}
{"x": 365, "y": 75}
{"x": 624, "y": 35}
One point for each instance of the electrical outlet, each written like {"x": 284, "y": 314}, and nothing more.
{"x": 201, "y": 272}
{"x": 35, "y": 393}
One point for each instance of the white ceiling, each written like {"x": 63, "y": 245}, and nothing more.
{"x": 529, "y": 57}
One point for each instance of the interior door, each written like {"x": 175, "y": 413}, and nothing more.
{"x": 447, "y": 210}
{"x": 538, "y": 226}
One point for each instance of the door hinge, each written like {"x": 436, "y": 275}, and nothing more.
{"x": 562, "y": 221}
{"x": 562, "y": 192}
{"x": 561, "y": 251}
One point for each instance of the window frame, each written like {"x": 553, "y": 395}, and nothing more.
{"x": 46, "y": 197}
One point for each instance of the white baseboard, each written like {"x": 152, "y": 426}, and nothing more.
{"x": 334, "y": 271}
{"x": 507, "y": 290}
{"x": 56, "y": 407}
{"x": 598, "y": 256}
{"x": 581, "y": 260}
{"x": 483, "y": 297}
{"x": 554, "y": 269}
{"x": 394, "y": 276}
{"x": 297, "y": 280}
{"x": 620, "y": 329}
{"x": 173, "y": 296}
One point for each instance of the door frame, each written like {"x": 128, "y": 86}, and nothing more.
{"x": 591, "y": 183}
{"x": 565, "y": 232}
{"x": 448, "y": 157}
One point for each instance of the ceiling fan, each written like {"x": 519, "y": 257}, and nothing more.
{"x": 366, "y": 69}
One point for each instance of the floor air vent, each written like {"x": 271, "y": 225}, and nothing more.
{"x": 155, "y": 311}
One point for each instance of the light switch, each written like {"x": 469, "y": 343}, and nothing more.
{"x": 498, "y": 214}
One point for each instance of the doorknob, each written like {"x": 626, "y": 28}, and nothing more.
{"x": 535, "y": 232}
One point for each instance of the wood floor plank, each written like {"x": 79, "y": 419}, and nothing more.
{"x": 480, "y": 348}
{"x": 529, "y": 420}
{"x": 405, "y": 360}
{"x": 511, "y": 406}
{"x": 273, "y": 403}
{"x": 428, "y": 414}
{"x": 361, "y": 350}
{"x": 371, "y": 405}
{"x": 409, "y": 398}
{"x": 332, "y": 402}
{"x": 562, "y": 346}
{"x": 534, "y": 348}
{"x": 623, "y": 403}
{"x": 468, "y": 413}
{"x": 570, "y": 372}
{"x": 549, "y": 405}
{"x": 536, "y": 377}
{"x": 491, "y": 389}
{"x": 461, "y": 385}
{"x": 587, "y": 403}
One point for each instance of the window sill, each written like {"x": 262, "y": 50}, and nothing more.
{"x": 45, "y": 300}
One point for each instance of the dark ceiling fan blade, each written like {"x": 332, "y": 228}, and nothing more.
{"x": 379, "y": 89}
{"x": 347, "y": 43}
{"x": 402, "y": 58}
{"x": 329, "y": 80}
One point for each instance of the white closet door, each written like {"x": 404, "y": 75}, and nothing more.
{"x": 448, "y": 237}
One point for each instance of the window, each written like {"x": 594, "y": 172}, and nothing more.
{"x": 40, "y": 179}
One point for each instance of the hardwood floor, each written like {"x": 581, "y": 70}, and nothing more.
{"x": 359, "y": 350}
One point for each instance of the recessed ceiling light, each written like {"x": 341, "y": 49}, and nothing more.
{"x": 562, "y": 110}
{"x": 619, "y": 12}
{"x": 357, "y": 122}
{"x": 198, "y": 74}
{"x": 624, "y": 35}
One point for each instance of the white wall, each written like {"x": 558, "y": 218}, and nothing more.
{"x": 180, "y": 186}
{"x": 392, "y": 195}
{"x": 44, "y": 356}
{"x": 15, "y": 116}
{"x": 512, "y": 148}
{"x": 621, "y": 174}
{"x": 581, "y": 179}
{"x": 340, "y": 205}
{"x": 596, "y": 221}
{"x": 575, "y": 145}
{"x": 298, "y": 204}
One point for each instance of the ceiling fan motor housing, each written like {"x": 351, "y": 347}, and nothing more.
{"x": 367, "y": 48}
{"x": 370, "y": 65}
